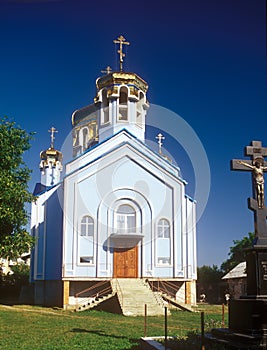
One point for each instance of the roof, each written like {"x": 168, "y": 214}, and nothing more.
{"x": 237, "y": 272}
{"x": 120, "y": 139}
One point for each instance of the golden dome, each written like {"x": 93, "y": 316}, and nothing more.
{"x": 51, "y": 156}
{"x": 113, "y": 80}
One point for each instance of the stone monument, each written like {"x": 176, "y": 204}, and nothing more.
{"x": 248, "y": 315}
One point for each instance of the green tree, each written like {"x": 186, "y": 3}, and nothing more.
{"x": 14, "y": 177}
{"x": 208, "y": 274}
{"x": 237, "y": 252}
{"x": 209, "y": 283}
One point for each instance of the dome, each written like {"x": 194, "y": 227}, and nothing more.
{"x": 50, "y": 156}
{"x": 113, "y": 80}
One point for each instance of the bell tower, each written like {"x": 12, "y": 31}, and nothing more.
{"x": 51, "y": 163}
{"x": 122, "y": 97}
{"x": 120, "y": 103}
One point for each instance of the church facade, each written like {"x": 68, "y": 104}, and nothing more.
{"x": 118, "y": 210}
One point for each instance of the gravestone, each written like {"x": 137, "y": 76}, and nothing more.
{"x": 248, "y": 315}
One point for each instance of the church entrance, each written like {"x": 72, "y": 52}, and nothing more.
{"x": 126, "y": 262}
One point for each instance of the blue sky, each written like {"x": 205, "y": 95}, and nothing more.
{"x": 203, "y": 60}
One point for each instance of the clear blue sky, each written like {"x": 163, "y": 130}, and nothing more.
{"x": 204, "y": 60}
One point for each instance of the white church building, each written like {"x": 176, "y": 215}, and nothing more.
{"x": 117, "y": 211}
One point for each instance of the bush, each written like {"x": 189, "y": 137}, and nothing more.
{"x": 12, "y": 282}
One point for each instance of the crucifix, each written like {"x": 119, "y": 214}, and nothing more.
{"x": 108, "y": 70}
{"x": 257, "y": 166}
{"x": 121, "y": 41}
{"x": 160, "y": 137}
{"x": 52, "y": 131}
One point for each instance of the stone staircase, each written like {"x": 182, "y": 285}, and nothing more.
{"x": 90, "y": 303}
{"x": 133, "y": 294}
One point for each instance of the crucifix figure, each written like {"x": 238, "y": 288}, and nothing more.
{"x": 258, "y": 178}
{"x": 160, "y": 137}
{"x": 108, "y": 70}
{"x": 121, "y": 41}
{"x": 52, "y": 131}
{"x": 257, "y": 166}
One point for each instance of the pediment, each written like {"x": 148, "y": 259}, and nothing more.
{"x": 122, "y": 149}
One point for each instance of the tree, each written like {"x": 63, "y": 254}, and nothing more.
{"x": 208, "y": 274}
{"x": 14, "y": 177}
{"x": 237, "y": 252}
{"x": 210, "y": 283}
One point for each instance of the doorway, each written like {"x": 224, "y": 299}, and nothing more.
{"x": 126, "y": 262}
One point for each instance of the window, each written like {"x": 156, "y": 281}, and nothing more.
{"x": 86, "y": 240}
{"x": 139, "y": 108}
{"x": 163, "y": 242}
{"x": 105, "y": 106}
{"x": 126, "y": 219}
{"x": 87, "y": 226}
{"x": 163, "y": 260}
{"x": 123, "y": 104}
{"x": 85, "y": 138}
{"x": 163, "y": 229}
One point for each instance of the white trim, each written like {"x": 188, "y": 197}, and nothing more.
{"x": 78, "y": 258}
{"x": 170, "y": 239}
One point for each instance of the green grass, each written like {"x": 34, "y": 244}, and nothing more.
{"x": 30, "y": 327}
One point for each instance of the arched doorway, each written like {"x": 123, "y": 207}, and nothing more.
{"x": 126, "y": 251}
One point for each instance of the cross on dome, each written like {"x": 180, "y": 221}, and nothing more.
{"x": 121, "y": 40}
{"x": 108, "y": 70}
{"x": 160, "y": 137}
{"x": 52, "y": 131}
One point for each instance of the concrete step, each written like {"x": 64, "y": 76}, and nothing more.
{"x": 133, "y": 294}
{"x": 90, "y": 303}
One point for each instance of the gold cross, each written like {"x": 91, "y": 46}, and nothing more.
{"x": 121, "y": 41}
{"x": 160, "y": 137}
{"x": 108, "y": 70}
{"x": 52, "y": 131}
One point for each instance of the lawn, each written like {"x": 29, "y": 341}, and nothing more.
{"x": 30, "y": 327}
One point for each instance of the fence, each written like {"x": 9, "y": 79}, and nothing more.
{"x": 190, "y": 330}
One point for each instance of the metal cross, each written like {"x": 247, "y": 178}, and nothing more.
{"x": 160, "y": 137}
{"x": 255, "y": 150}
{"x": 52, "y": 131}
{"x": 257, "y": 166}
{"x": 121, "y": 41}
{"x": 108, "y": 70}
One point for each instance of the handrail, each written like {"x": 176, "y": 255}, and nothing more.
{"x": 157, "y": 297}
{"x": 118, "y": 291}
{"x": 103, "y": 292}
{"x": 170, "y": 296}
{"x": 92, "y": 287}
{"x": 99, "y": 293}
{"x": 162, "y": 287}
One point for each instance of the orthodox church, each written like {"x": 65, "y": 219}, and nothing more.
{"x": 117, "y": 211}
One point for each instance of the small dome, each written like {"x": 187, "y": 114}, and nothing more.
{"x": 51, "y": 156}
{"x": 111, "y": 82}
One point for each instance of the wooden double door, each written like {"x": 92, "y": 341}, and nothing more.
{"x": 126, "y": 262}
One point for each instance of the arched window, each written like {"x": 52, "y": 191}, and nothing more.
{"x": 163, "y": 229}
{"x": 87, "y": 226}
{"x": 139, "y": 109}
{"x": 92, "y": 126}
{"x": 163, "y": 242}
{"x": 125, "y": 219}
{"x": 105, "y": 106}
{"x": 123, "y": 104}
{"x": 86, "y": 240}
{"x": 85, "y": 138}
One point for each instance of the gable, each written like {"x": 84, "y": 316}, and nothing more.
{"x": 125, "y": 166}
{"x": 115, "y": 142}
